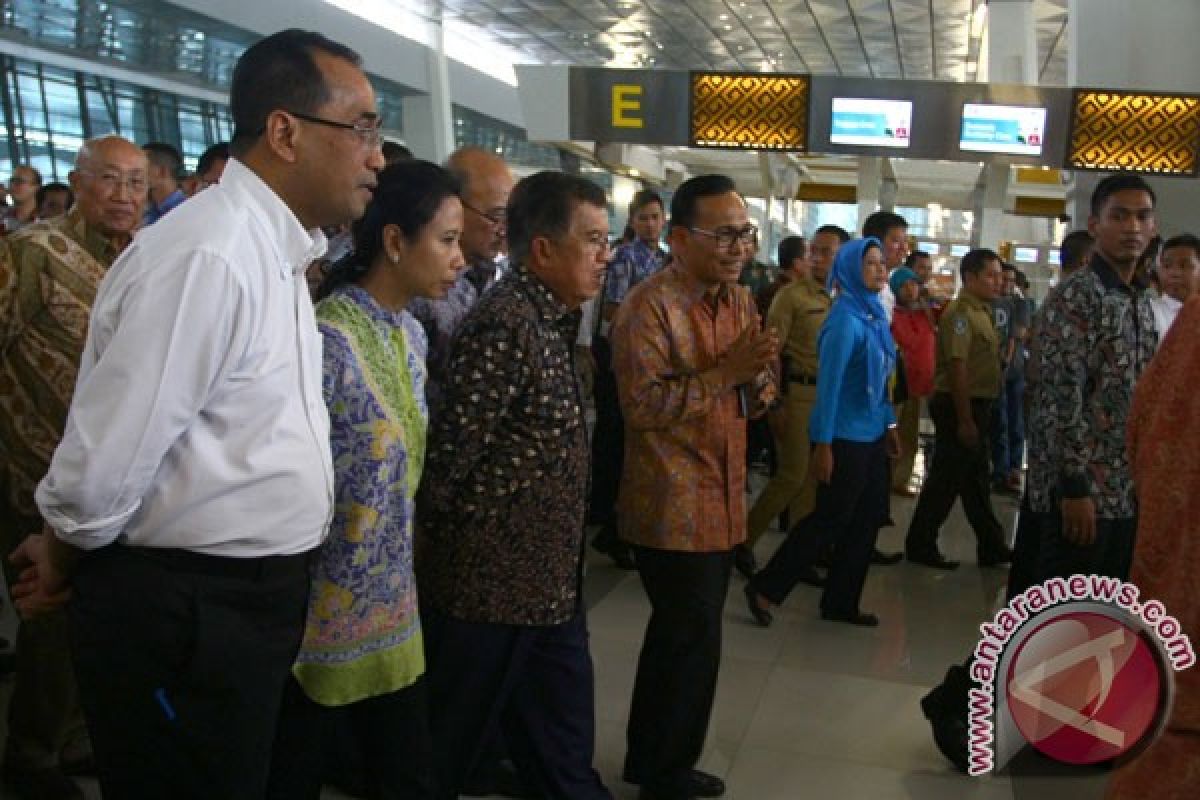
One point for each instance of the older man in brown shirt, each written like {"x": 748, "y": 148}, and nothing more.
{"x": 49, "y": 274}
{"x": 691, "y": 365}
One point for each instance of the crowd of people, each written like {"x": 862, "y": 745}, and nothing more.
{"x": 296, "y": 463}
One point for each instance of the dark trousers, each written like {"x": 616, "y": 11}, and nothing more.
{"x": 1111, "y": 553}
{"x": 608, "y": 442}
{"x": 1027, "y": 545}
{"x": 181, "y": 660}
{"x": 677, "y": 668}
{"x": 957, "y": 471}
{"x": 850, "y": 510}
{"x": 390, "y": 732}
{"x": 534, "y": 682}
{"x": 1008, "y": 427}
{"x": 44, "y": 719}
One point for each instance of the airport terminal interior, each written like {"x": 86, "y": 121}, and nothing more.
{"x": 983, "y": 123}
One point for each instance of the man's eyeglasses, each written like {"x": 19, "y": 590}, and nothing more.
{"x": 727, "y": 236}
{"x": 497, "y": 216}
{"x": 369, "y": 131}
{"x": 110, "y": 180}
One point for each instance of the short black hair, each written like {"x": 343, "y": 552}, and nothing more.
{"x": 279, "y": 72}
{"x": 1022, "y": 280}
{"x": 976, "y": 261}
{"x": 543, "y": 204}
{"x": 166, "y": 156}
{"x": 879, "y": 223}
{"x": 55, "y": 187}
{"x": 1120, "y": 182}
{"x": 1008, "y": 267}
{"x": 1072, "y": 249}
{"x": 683, "y": 203}
{"x": 394, "y": 151}
{"x": 837, "y": 230}
{"x": 910, "y": 260}
{"x": 791, "y": 248}
{"x": 643, "y": 198}
{"x": 1182, "y": 240}
{"x": 215, "y": 153}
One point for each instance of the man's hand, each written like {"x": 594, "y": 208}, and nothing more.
{"x": 822, "y": 462}
{"x": 1079, "y": 520}
{"x": 968, "y": 434}
{"x": 40, "y": 588}
{"x": 894, "y": 450}
{"x": 750, "y": 354}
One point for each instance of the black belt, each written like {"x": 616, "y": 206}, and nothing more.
{"x": 805, "y": 380}
{"x": 191, "y": 562}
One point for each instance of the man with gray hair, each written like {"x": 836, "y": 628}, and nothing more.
{"x": 49, "y": 275}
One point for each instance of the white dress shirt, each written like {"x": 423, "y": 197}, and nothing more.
{"x": 1165, "y": 308}
{"x": 198, "y": 420}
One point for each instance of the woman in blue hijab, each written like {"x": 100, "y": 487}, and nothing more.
{"x": 853, "y": 430}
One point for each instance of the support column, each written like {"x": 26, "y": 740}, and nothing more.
{"x": 1144, "y": 46}
{"x": 870, "y": 176}
{"x": 991, "y": 193}
{"x": 429, "y": 118}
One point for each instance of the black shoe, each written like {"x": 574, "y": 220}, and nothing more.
{"x": 45, "y": 783}
{"x": 857, "y": 618}
{"x": 744, "y": 561}
{"x": 994, "y": 558}
{"x": 885, "y": 559}
{"x": 762, "y": 617}
{"x": 949, "y": 729}
{"x": 615, "y": 549}
{"x": 935, "y": 560}
{"x": 696, "y": 784}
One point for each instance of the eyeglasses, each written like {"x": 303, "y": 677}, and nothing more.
{"x": 369, "y": 131}
{"x": 726, "y": 237}
{"x": 110, "y": 180}
{"x": 497, "y": 216}
{"x": 597, "y": 240}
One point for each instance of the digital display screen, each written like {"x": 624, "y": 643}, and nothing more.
{"x": 871, "y": 122}
{"x": 933, "y": 248}
{"x": 1053, "y": 257}
{"x": 959, "y": 250}
{"x": 1015, "y": 130}
{"x": 1026, "y": 255}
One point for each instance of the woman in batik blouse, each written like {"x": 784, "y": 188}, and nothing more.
{"x": 362, "y": 650}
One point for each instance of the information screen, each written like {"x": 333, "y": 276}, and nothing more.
{"x": 959, "y": 250}
{"x": 1026, "y": 255}
{"x": 1015, "y": 130}
{"x": 1053, "y": 257}
{"x": 871, "y": 122}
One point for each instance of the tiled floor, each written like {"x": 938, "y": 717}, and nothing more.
{"x": 811, "y": 709}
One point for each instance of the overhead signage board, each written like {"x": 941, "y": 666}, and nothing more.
{"x": 749, "y": 112}
{"x": 1015, "y": 130}
{"x": 632, "y": 106}
{"x": 871, "y": 122}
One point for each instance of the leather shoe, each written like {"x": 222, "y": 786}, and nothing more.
{"x": 860, "y": 618}
{"x": 885, "y": 559}
{"x": 935, "y": 560}
{"x": 744, "y": 561}
{"x": 950, "y": 732}
{"x": 762, "y": 617}
{"x": 994, "y": 558}
{"x": 45, "y": 783}
{"x": 696, "y": 784}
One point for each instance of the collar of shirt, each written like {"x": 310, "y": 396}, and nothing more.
{"x": 375, "y": 312}
{"x": 99, "y": 246}
{"x": 974, "y": 303}
{"x": 695, "y": 289}
{"x": 550, "y": 309}
{"x": 295, "y": 246}
{"x": 1110, "y": 279}
{"x": 171, "y": 201}
{"x": 810, "y": 283}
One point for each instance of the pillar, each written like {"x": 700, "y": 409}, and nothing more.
{"x": 429, "y": 118}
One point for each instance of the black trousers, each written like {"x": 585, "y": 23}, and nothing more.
{"x": 536, "y": 683}
{"x": 390, "y": 732}
{"x": 849, "y": 511}
{"x": 1027, "y": 545}
{"x": 957, "y": 472}
{"x": 608, "y": 444}
{"x": 1110, "y": 553}
{"x": 677, "y": 669}
{"x": 181, "y": 660}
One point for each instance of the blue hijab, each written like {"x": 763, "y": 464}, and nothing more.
{"x": 856, "y": 302}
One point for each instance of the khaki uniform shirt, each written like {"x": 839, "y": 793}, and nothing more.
{"x": 966, "y": 331}
{"x": 797, "y": 313}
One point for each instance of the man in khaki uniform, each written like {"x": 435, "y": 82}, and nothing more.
{"x": 797, "y": 313}
{"x": 966, "y": 384}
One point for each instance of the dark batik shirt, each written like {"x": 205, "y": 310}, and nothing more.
{"x": 501, "y": 508}
{"x": 1095, "y": 336}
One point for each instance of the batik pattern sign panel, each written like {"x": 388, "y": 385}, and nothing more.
{"x": 1135, "y": 132}
{"x": 753, "y": 112}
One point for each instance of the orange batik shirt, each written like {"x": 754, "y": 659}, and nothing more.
{"x": 684, "y": 478}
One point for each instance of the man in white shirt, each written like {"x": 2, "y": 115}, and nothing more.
{"x": 1178, "y": 275}
{"x": 194, "y": 476}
